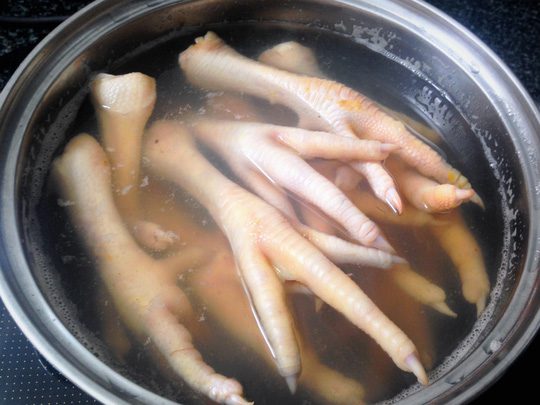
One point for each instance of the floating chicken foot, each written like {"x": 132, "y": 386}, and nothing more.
{"x": 277, "y": 153}
{"x": 123, "y": 105}
{"x": 210, "y": 63}
{"x": 143, "y": 289}
{"x": 295, "y": 58}
{"x": 264, "y": 243}
{"x": 321, "y": 104}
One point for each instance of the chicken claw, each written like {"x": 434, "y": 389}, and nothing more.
{"x": 123, "y": 105}
{"x": 421, "y": 289}
{"x": 296, "y": 58}
{"x": 267, "y": 248}
{"x": 410, "y": 216}
{"x": 338, "y": 250}
{"x": 426, "y": 194}
{"x": 464, "y": 251}
{"x": 143, "y": 289}
{"x": 345, "y": 111}
{"x": 211, "y": 64}
{"x": 277, "y": 153}
{"x": 225, "y": 288}
{"x": 366, "y": 202}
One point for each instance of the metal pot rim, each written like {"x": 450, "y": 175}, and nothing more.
{"x": 75, "y": 362}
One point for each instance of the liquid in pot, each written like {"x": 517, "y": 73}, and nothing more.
{"x": 337, "y": 343}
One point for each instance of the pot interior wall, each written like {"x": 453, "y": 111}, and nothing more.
{"x": 416, "y": 79}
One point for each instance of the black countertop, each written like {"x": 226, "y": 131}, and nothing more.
{"x": 510, "y": 27}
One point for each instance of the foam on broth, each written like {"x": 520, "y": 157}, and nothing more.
{"x": 338, "y": 343}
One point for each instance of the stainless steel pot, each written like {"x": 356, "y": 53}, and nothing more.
{"x": 489, "y": 123}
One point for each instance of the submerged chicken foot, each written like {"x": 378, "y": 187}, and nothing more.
{"x": 123, "y": 105}
{"x": 267, "y": 248}
{"x": 464, "y": 251}
{"x": 277, "y": 153}
{"x": 295, "y": 58}
{"x": 144, "y": 290}
{"x": 217, "y": 285}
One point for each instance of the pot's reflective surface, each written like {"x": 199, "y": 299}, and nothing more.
{"x": 439, "y": 74}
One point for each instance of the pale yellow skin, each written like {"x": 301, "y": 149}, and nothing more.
{"x": 422, "y": 192}
{"x": 232, "y": 107}
{"x": 278, "y": 153}
{"x": 216, "y": 285}
{"x": 425, "y": 194}
{"x": 262, "y": 240}
{"x": 293, "y": 57}
{"x": 464, "y": 251}
{"x": 143, "y": 289}
{"x": 123, "y": 106}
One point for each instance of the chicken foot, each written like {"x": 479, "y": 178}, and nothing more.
{"x": 143, "y": 289}
{"x": 296, "y": 58}
{"x": 123, "y": 105}
{"x": 218, "y": 286}
{"x": 215, "y": 286}
{"x": 320, "y": 104}
{"x": 277, "y": 153}
{"x": 378, "y": 178}
{"x": 232, "y": 107}
{"x": 267, "y": 248}
{"x": 463, "y": 249}
{"x": 218, "y": 134}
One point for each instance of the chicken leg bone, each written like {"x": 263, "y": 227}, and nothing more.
{"x": 123, "y": 105}
{"x": 143, "y": 289}
{"x": 267, "y": 248}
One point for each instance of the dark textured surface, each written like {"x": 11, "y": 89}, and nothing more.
{"x": 511, "y": 28}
